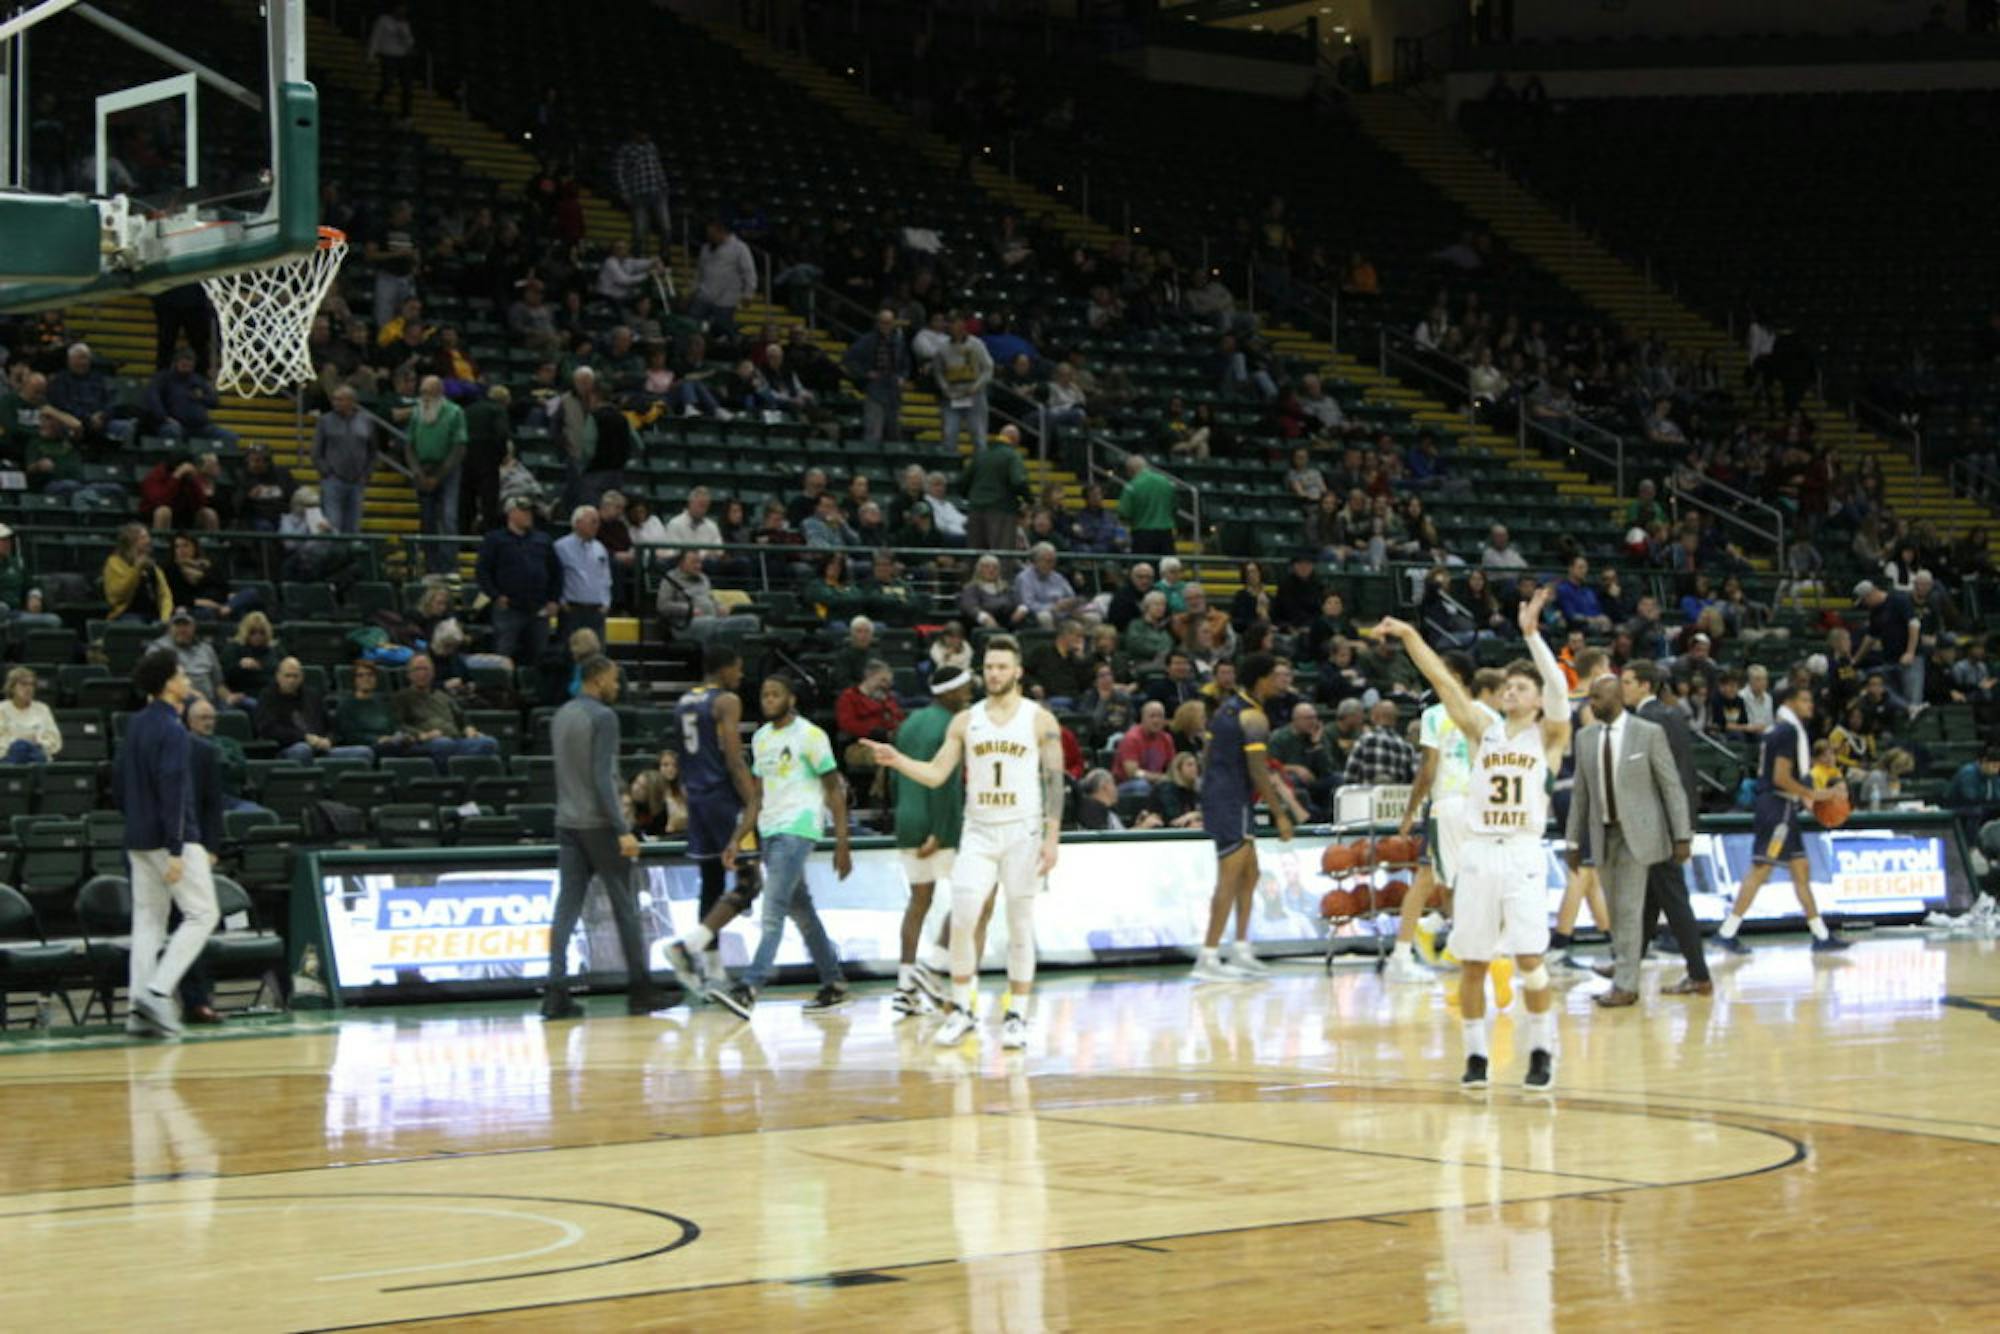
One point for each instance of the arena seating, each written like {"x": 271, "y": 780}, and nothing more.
{"x": 742, "y": 140}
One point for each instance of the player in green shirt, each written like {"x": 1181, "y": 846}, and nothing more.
{"x": 927, "y": 825}
{"x": 795, "y": 784}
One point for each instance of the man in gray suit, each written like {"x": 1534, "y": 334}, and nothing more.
{"x": 1666, "y": 885}
{"x": 1628, "y": 802}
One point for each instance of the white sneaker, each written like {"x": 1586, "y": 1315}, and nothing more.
{"x": 1013, "y": 1031}
{"x": 958, "y": 1026}
{"x": 1404, "y": 968}
{"x": 1215, "y": 970}
{"x": 912, "y": 1002}
{"x": 1243, "y": 958}
{"x": 158, "y": 1011}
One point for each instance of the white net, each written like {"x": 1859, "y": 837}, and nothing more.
{"x": 266, "y": 316}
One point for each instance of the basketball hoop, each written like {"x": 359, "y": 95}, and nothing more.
{"x": 266, "y": 317}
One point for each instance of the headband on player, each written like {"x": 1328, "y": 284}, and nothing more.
{"x": 950, "y": 681}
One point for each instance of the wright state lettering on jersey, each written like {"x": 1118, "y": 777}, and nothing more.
{"x": 1510, "y": 783}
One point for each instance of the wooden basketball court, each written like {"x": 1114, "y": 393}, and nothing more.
{"x": 1819, "y": 1144}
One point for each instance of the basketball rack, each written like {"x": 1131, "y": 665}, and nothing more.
{"x": 1365, "y": 815}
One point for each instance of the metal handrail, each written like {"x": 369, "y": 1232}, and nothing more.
{"x": 1394, "y": 345}
{"x": 1733, "y": 512}
{"x": 1607, "y": 447}
{"x": 1862, "y": 412}
{"x": 1116, "y": 474}
{"x": 1962, "y": 479}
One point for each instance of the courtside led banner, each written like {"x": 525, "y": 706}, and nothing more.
{"x": 413, "y": 928}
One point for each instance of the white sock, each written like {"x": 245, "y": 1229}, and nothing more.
{"x": 711, "y": 966}
{"x": 1242, "y": 949}
{"x": 1475, "y": 1037}
{"x": 1729, "y": 926}
{"x": 906, "y": 977}
{"x": 936, "y": 957}
{"x": 1432, "y": 922}
{"x": 1017, "y": 1003}
{"x": 1207, "y": 956}
{"x": 698, "y": 939}
{"x": 968, "y": 997}
{"x": 1402, "y": 950}
{"x": 1817, "y": 925}
{"x": 1541, "y": 1030}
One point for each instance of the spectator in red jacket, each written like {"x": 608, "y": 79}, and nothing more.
{"x": 180, "y": 492}
{"x": 869, "y": 709}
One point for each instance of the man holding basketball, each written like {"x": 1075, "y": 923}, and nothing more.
{"x": 1774, "y": 836}
{"x": 1502, "y": 892}
{"x": 1234, "y": 777}
{"x": 1444, "y": 777}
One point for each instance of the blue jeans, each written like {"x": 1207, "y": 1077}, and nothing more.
{"x": 437, "y": 514}
{"x": 443, "y": 748}
{"x": 341, "y": 503}
{"x": 973, "y": 416}
{"x": 87, "y": 493}
{"x": 173, "y": 430}
{"x": 25, "y": 752}
{"x": 520, "y": 633}
{"x": 786, "y": 895}
{"x": 301, "y": 753}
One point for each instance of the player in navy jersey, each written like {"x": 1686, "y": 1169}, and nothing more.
{"x": 717, "y": 782}
{"x": 1234, "y": 776}
{"x": 1782, "y": 790}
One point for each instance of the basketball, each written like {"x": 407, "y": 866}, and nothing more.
{"x": 1363, "y": 850}
{"x": 1338, "y": 903}
{"x": 1833, "y": 812}
{"x": 1392, "y": 893}
{"x": 1338, "y": 859}
{"x": 1398, "y": 849}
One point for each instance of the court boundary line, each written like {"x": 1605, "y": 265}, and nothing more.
{"x": 1798, "y": 1155}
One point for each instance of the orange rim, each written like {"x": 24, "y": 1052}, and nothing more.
{"x": 329, "y": 237}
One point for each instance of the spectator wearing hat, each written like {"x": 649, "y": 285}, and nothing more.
{"x": 197, "y": 657}
{"x": 518, "y": 572}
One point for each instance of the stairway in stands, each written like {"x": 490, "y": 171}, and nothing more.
{"x": 1011, "y": 193}
{"x": 1529, "y": 224}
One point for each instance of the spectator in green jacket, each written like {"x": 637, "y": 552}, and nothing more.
{"x": 1147, "y": 507}
{"x": 230, "y": 760}
{"x": 995, "y": 485}
{"x": 437, "y": 450}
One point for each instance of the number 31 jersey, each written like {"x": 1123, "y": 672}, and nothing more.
{"x": 1509, "y": 797}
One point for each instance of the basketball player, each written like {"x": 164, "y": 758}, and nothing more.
{"x": 1233, "y": 776}
{"x": 1502, "y": 904}
{"x": 1012, "y": 749}
{"x": 1581, "y": 885}
{"x": 1443, "y": 776}
{"x": 718, "y": 786}
{"x": 1774, "y": 830}
{"x": 927, "y": 828}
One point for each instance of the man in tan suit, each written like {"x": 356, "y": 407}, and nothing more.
{"x": 1629, "y": 803}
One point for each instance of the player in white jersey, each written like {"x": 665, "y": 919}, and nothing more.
{"x": 1012, "y": 751}
{"x": 1443, "y": 777}
{"x": 1502, "y": 897}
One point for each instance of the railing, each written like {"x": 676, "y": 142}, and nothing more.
{"x": 1979, "y": 485}
{"x": 1578, "y": 435}
{"x": 1397, "y": 349}
{"x": 1115, "y": 474}
{"x": 1733, "y": 513}
{"x": 1883, "y": 421}
{"x": 385, "y": 459}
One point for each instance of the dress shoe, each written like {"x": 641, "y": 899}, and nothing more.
{"x": 561, "y": 1007}
{"x": 1604, "y": 970}
{"x": 1614, "y": 998}
{"x": 201, "y": 1014}
{"x": 1687, "y": 986}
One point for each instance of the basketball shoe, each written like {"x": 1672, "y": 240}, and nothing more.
{"x": 957, "y": 1027}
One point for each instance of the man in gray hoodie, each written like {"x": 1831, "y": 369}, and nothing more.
{"x": 963, "y": 369}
